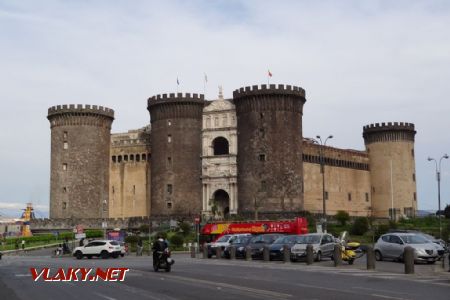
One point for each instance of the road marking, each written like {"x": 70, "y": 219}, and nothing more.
{"x": 386, "y": 297}
{"x": 104, "y": 296}
{"x": 23, "y": 275}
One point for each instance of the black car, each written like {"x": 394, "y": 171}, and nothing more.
{"x": 258, "y": 242}
{"x": 240, "y": 243}
{"x": 277, "y": 247}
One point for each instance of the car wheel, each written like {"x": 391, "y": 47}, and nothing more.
{"x": 115, "y": 255}
{"x": 155, "y": 268}
{"x": 293, "y": 259}
{"x": 378, "y": 255}
{"x": 79, "y": 255}
{"x": 350, "y": 261}
{"x": 431, "y": 262}
{"x": 318, "y": 256}
{"x": 104, "y": 254}
{"x": 168, "y": 267}
{"x": 89, "y": 256}
{"x": 122, "y": 255}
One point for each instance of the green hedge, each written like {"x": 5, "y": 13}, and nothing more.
{"x": 93, "y": 233}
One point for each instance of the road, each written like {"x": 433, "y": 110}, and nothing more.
{"x": 219, "y": 279}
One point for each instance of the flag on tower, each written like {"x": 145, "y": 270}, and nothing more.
{"x": 206, "y": 78}
{"x": 269, "y": 73}
{"x": 178, "y": 82}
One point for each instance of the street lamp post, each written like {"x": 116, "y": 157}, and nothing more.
{"x": 322, "y": 170}
{"x": 438, "y": 177}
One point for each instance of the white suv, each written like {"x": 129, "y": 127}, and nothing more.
{"x": 99, "y": 248}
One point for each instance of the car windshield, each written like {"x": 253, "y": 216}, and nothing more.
{"x": 286, "y": 239}
{"x": 308, "y": 239}
{"x": 223, "y": 239}
{"x": 114, "y": 243}
{"x": 242, "y": 240}
{"x": 414, "y": 239}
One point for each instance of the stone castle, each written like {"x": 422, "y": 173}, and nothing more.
{"x": 245, "y": 155}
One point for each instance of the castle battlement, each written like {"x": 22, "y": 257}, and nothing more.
{"x": 271, "y": 89}
{"x": 389, "y": 126}
{"x": 388, "y": 132}
{"x": 80, "y": 108}
{"x": 176, "y": 97}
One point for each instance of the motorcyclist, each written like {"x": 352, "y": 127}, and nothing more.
{"x": 158, "y": 246}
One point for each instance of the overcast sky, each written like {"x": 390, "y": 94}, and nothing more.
{"x": 360, "y": 62}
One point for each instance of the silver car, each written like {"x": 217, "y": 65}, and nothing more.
{"x": 323, "y": 246}
{"x": 392, "y": 246}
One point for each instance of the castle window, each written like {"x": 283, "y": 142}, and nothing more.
{"x": 64, "y": 206}
{"x": 262, "y": 157}
{"x": 224, "y": 121}
{"x": 412, "y": 152}
{"x": 144, "y": 157}
{"x": 64, "y": 190}
{"x": 367, "y": 197}
{"x": 113, "y": 158}
{"x": 208, "y": 122}
{"x": 113, "y": 191}
{"x": 119, "y": 158}
{"x": 65, "y": 135}
{"x": 169, "y": 205}
{"x": 169, "y": 162}
{"x": 125, "y": 157}
{"x": 169, "y": 189}
{"x": 326, "y": 195}
{"x": 263, "y": 186}
{"x": 221, "y": 146}
{"x": 134, "y": 189}
{"x": 169, "y": 138}
{"x": 216, "y": 121}
{"x": 64, "y": 167}
{"x": 132, "y": 157}
{"x": 65, "y": 145}
{"x": 349, "y": 196}
{"x": 138, "y": 157}
{"x": 414, "y": 177}
{"x": 415, "y": 196}
{"x": 169, "y": 123}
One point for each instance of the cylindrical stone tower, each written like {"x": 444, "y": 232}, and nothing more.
{"x": 176, "y": 186}
{"x": 79, "y": 178}
{"x": 390, "y": 147}
{"x": 270, "y": 164}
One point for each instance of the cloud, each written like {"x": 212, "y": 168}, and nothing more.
{"x": 359, "y": 61}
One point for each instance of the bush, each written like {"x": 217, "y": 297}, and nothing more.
{"x": 176, "y": 240}
{"x": 360, "y": 226}
{"x": 94, "y": 233}
{"x": 342, "y": 217}
{"x": 185, "y": 228}
{"x": 132, "y": 239}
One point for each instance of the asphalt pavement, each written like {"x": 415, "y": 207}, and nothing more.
{"x": 196, "y": 278}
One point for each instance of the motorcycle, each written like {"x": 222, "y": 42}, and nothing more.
{"x": 164, "y": 261}
{"x": 349, "y": 250}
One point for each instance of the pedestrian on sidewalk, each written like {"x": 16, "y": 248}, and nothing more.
{"x": 139, "y": 247}
{"x": 23, "y": 244}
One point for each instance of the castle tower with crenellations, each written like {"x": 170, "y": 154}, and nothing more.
{"x": 79, "y": 177}
{"x": 176, "y": 121}
{"x": 270, "y": 165}
{"x": 390, "y": 147}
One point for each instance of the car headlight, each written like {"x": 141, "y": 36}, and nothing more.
{"x": 241, "y": 248}
{"x": 420, "y": 251}
{"x": 261, "y": 249}
{"x": 281, "y": 249}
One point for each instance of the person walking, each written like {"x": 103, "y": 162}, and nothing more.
{"x": 139, "y": 247}
{"x": 23, "y": 244}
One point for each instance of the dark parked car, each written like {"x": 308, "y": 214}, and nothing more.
{"x": 277, "y": 247}
{"x": 240, "y": 243}
{"x": 258, "y": 242}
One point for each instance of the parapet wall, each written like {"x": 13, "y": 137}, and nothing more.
{"x": 388, "y": 132}
{"x": 80, "y": 108}
{"x": 271, "y": 89}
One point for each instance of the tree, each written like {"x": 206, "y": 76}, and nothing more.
{"x": 360, "y": 226}
{"x": 176, "y": 240}
{"x": 185, "y": 228}
{"x": 447, "y": 212}
{"x": 342, "y": 217}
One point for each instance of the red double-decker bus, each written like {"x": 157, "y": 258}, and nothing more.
{"x": 215, "y": 230}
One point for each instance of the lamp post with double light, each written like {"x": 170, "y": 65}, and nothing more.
{"x": 322, "y": 144}
{"x": 438, "y": 177}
